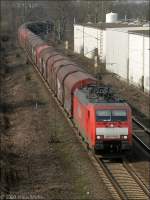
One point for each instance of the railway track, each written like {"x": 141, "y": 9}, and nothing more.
{"x": 141, "y": 125}
{"x": 141, "y": 134}
{"x": 123, "y": 179}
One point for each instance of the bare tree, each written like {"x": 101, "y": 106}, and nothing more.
{"x": 62, "y": 13}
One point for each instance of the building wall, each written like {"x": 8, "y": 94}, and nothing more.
{"x": 147, "y": 64}
{"x": 78, "y": 39}
{"x": 139, "y": 61}
{"x": 87, "y": 39}
{"x": 117, "y": 52}
{"x": 126, "y": 54}
{"x": 94, "y": 39}
{"x": 91, "y": 41}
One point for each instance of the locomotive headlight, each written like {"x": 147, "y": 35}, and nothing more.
{"x": 98, "y": 137}
{"x": 125, "y": 137}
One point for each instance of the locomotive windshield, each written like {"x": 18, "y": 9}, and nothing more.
{"x": 111, "y": 115}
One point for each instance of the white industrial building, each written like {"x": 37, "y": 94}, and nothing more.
{"x": 127, "y": 54}
{"x": 87, "y": 39}
{"x": 139, "y": 61}
{"x": 120, "y": 45}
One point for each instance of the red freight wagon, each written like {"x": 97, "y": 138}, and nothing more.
{"x": 38, "y": 51}
{"x": 75, "y": 80}
{"x": 31, "y": 44}
{"x": 58, "y": 59}
{"x": 59, "y": 68}
{"x": 54, "y": 58}
{"x": 36, "y": 45}
{"x": 23, "y": 34}
{"x": 49, "y": 66}
{"x": 61, "y": 76}
{"x": 44, "y": 56}
{"x": 102, "y": 121}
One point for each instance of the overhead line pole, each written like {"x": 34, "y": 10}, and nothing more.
{"x": 102, "y": 9}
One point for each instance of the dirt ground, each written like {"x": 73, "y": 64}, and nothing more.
{"x": 41, "y": 158}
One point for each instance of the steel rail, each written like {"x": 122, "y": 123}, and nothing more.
{"x": 112, "y": 179}
{"x": 141, "y": 125}
{"x": 136, "y": 178}
{"x": 146, "y": 130}
{"x": 112, "y": 174}
{"x": 145, "y": 147}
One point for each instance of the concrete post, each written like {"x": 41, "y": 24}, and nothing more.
{"x": 66, "y": 45}
{"x": 95, "y": 61}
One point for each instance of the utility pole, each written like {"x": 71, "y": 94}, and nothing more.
{"x": 83, "y": 41}
{"x": 24, "y": 10}
{"x": 89, "y": 17}
{"x": 102, "y": 10}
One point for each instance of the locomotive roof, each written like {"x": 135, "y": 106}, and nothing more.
{"x": 99, "y": 96}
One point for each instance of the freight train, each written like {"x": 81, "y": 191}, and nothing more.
{"x": 102, "y": 120}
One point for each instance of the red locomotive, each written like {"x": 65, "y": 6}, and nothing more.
{"x": 102, "y": 119}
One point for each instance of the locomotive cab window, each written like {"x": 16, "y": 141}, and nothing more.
{"x": 111, "y": 115}
{"x": 103, "y": 115}
{"x": 119, "y": 115}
